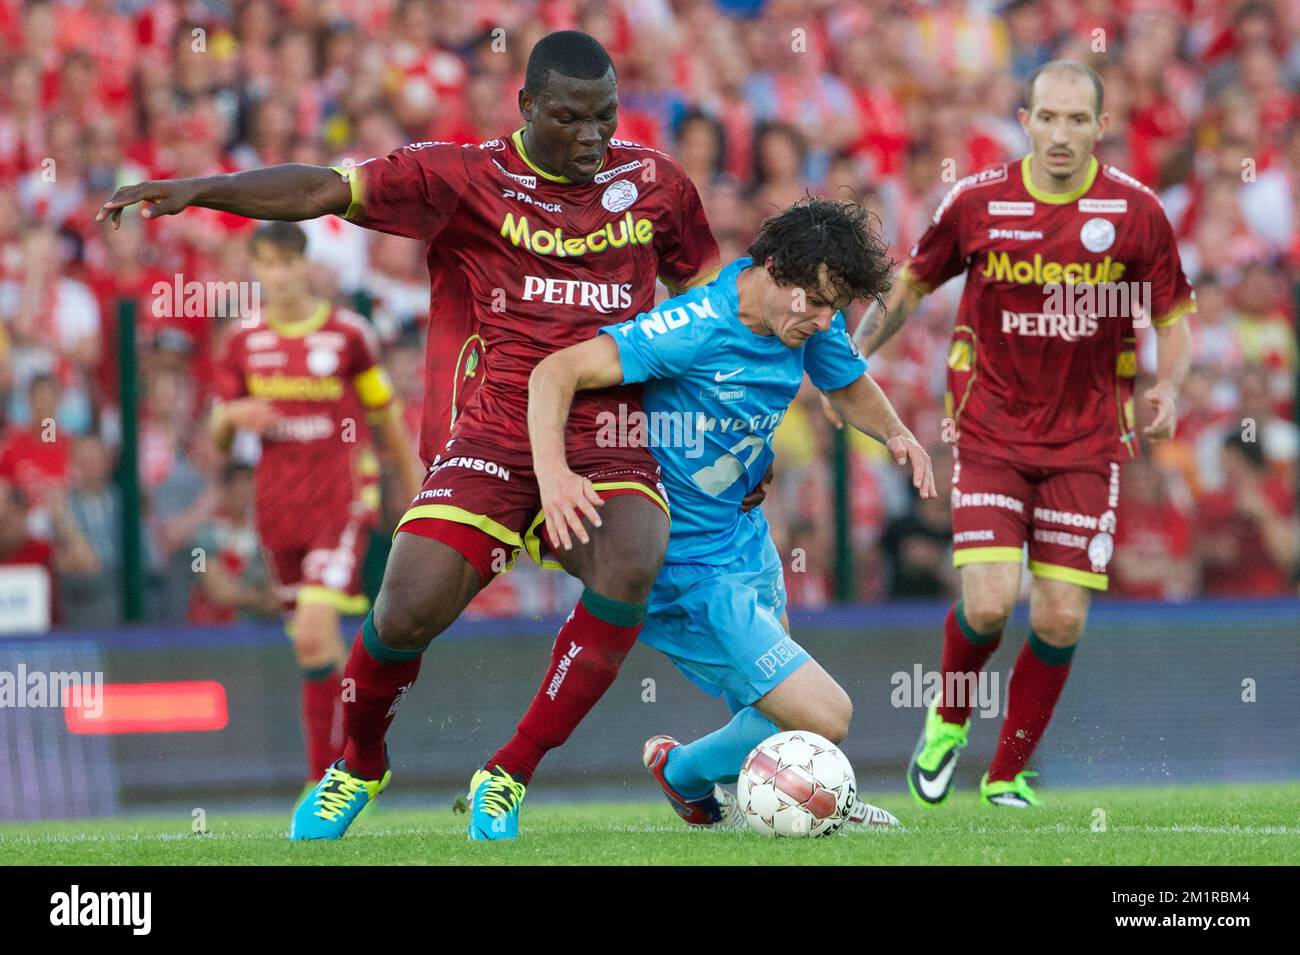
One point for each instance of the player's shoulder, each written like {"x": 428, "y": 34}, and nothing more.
{"x": 974, "y": 187}
{"x": 624, "y": 158}
{"x": 1117, "y": 184}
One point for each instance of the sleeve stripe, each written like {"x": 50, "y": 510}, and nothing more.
{"x": 352, "y": 176}
{"x": 1173, "y": 315}
{"x": 905, "y": 275}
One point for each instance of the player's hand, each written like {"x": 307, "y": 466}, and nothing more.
{"x": 251, "y": 414}
{"x": 759, "y": 494}
{"x": 566, "y": 500}
{"x": 906, "y": 449}
{"x": 1160, "y": 398}
{"x": 166, "y": 197}
{"x": 831, "y": 415}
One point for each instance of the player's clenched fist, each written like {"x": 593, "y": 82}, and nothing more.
{"x": 566, "y": 499}
{"x": 166, "y": 197}
{"x": 905, "y": 449}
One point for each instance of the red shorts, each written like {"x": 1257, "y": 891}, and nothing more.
{"x": 323, "y": 562}
{"x": 1066, "y": 516}
{"x": 486, "y": 505}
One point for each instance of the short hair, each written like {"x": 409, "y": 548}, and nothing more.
{"x": 1067, "y": 66}
{"x": 836, "y": 232}
{"x": 288, "y": 236}
{"x": 569, "y": 53}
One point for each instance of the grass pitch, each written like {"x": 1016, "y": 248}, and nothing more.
{"x": 1204, "y": 825}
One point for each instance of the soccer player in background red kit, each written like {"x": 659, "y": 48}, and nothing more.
{"x": 558, "y": 230}
{"x": 306, "y": 378}
{"x": 1040, "y": 386}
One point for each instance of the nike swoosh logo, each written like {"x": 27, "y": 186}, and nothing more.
{"x": 719, "y": 376}
{"x": 933, "y": 788}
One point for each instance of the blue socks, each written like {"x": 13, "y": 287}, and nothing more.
{"x": 694, "y": 767}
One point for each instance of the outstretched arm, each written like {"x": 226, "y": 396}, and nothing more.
{"x": 880, "y": 322}
{"x": 551, "y": 387}
{"x": 864, "y": 406}
{"x": 290, "y": 192}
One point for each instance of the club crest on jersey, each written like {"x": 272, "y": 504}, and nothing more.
{"x": 322, "y": 362}
{"x": 620, "y": 194}
{"x": 1097, "y": 235}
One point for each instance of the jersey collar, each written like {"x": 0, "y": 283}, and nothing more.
{"x": 1058, "y": 198}
{"x": 302, "y": 327}
{"x": 518, "y": 139}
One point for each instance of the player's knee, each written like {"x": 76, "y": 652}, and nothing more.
{"x": 987, "y": 613}
{"x": 403, "y": 625}
{"x": 628, "y": 576}
{"x": 1058, "y": 626}
{"x": 833, "y": 714}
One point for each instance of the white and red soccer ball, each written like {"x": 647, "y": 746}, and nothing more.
{"x": 796, "y": 784}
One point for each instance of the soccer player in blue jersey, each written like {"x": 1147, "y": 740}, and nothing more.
{"x": 721, "y": 364}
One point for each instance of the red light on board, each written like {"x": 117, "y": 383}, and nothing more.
{"x": 191, "y": 707}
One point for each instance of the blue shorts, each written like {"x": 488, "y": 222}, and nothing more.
{"x": 721, "y": 625}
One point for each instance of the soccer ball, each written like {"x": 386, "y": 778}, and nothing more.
{"x": 796, "y": 784}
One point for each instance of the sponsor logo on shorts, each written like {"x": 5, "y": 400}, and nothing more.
{"x": 1063, "y": 538}
{"x": 433, "y": 492}
{"x": 777, "y": 656}
{"x": 980, "y": 499}
{"x": 1066, "y": 518}
{"x": 1112, "y": 498}
{"x": 473, "y": 464}
{"x": 967, "y": 537}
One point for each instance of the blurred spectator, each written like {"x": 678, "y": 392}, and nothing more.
{"x": 1153, "y": 539}
{"x": 1246, "y": 533}
{"x": 233, "y": 582}
{"x": 88, "y": 526}
{"x": 18, "y": 547}
{"x": 918, "y": 544}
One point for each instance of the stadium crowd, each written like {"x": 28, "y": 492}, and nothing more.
{"x": 761, "y": 102}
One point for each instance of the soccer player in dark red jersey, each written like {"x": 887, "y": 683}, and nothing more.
{"x": 305, "y": 377}
{"x": 1063, "y": 257}
{"x": 557, "y": 230}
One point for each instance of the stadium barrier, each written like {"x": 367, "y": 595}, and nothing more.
{"x": 1159, "y": 693}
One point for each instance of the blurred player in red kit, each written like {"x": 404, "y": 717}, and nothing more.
{"x": 1063, "y": 258}
{"x": 304, "y": 376}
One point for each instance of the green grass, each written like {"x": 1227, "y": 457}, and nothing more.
{"x": 1210, "y": 825}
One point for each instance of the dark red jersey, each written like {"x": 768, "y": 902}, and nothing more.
{"x": 321, "y": 375}
{"x": 453, "y": 356}
{"x": 546, "y": 262}
{"x": 1042, "y": 361}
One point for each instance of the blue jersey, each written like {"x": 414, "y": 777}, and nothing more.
{"x": 715, "y": 392}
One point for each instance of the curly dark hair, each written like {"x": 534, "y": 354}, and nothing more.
{"x": 834, "y": 232}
